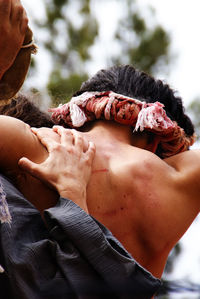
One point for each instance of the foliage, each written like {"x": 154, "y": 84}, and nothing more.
{"x": 174, "y": 253}
{"x": 59, "y": 86}
{"x": 194, "y": 112}
{"x": 145, "y": 46}
{"x": 72, "y": 30}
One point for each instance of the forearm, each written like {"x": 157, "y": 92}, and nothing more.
{"x": 77, "y": 196}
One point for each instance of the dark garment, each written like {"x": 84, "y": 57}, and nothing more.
{"x": 73, "y": 256}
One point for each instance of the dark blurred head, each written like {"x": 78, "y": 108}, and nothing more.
{"x": 128, "y": 81}
{"x": 22, "y": 108}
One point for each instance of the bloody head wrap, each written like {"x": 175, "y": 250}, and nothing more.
{"x": 108, "y": 105}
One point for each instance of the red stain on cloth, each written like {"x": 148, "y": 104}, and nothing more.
{"x": 108, "y": 105}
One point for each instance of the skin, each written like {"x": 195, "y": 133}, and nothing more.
{"x": 128, "y": 184}
{"x": 13, "y": 26}
{"x": 73, "y": 166}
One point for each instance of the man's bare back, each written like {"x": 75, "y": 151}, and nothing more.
{"x": 145, "y": 202}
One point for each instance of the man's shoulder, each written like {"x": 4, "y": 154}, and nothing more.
{"x": 146, "y": 161}
{"x": 138, "y": 166}
{"x": 184, "y": 160}
{"x": 187, "y": 166}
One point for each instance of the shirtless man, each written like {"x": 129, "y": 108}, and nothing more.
{"x": 129, "y": 183}
{"x": 100, "y": 266}
{"x": 147, "y": 202}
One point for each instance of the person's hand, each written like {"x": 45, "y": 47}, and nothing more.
{"x": 13, "y": 26}
{"x": 68, "y": 166}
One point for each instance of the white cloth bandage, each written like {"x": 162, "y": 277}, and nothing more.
{"x": 77, "y": 115}
{"x": 91, "y": 106}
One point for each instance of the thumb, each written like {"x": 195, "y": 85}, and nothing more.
{"x": 28, "y": 166}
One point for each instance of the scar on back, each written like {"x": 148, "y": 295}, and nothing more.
{"x": 100, "y": 170}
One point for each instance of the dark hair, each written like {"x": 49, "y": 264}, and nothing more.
{"x": 130, "y": 82}
{"x": 22, "y": 108}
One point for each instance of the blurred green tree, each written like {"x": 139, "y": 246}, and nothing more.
{"x": 72, "y": 29}
{"x": 194, "y": 112}
{"x": 143, "y": 42}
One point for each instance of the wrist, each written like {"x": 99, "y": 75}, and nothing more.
{"x": 77, "y": 195}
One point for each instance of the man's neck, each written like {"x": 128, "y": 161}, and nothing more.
{"x": 110, "y": 130}
{"x": 112, "y": 133}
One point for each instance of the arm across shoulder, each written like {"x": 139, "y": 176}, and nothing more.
{"x": 17, "y": 140}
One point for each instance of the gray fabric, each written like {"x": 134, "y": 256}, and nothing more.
{"x": 74, "y": 256}
{"x": 4, "y": 211}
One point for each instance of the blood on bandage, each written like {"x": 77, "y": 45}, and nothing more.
{"x": 152, "y": 117}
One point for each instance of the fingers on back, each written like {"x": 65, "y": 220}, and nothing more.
{"x": 91, "y": 151}
{"x": 66, "y": 136}
{"x": 78, "y": 140}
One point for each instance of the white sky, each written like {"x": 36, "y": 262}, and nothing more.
{"x": 182, "y": 19}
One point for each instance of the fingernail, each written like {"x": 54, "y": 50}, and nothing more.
{"x": 55, "y": 127}
{"x": 33, "y": 129}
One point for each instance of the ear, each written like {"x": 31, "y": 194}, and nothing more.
{"x": 14, "y": 77}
